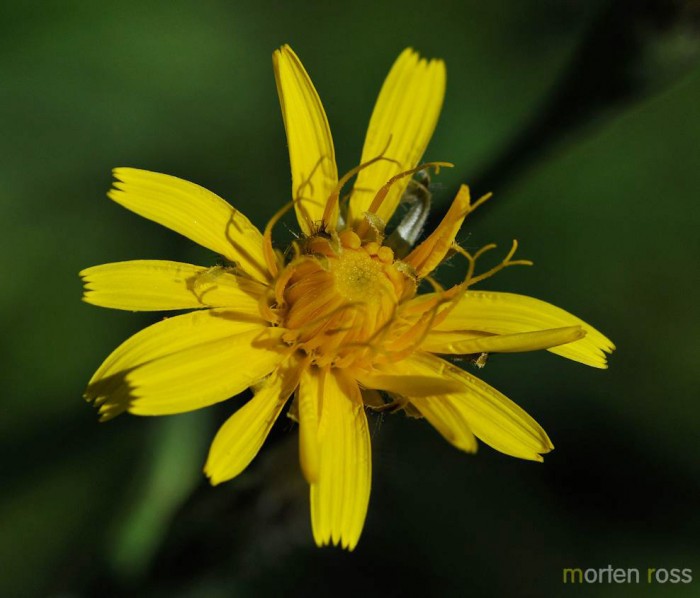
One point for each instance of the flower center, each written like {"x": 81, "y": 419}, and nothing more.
{"x": 357, "y": 276}
{"x": 339, "y": 298}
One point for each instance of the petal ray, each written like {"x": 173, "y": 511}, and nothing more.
{"x": 194, "y": 212}
{"x": 447, "y": 420}
{"x": 460, "y": 344}
{"x": 340, "y": 496}
{"x": 238, "y": 441}
{"x": 491, "y": 416}
{"x": 160, "y": 285}
{"x": 185, "y": 363}
{"x": 402, "y": 123}
{"x": 308, "y": 414}
{"x": 509, "y": 313}
{"x": 404, "y": 382}
{"x": 311, "y": 153}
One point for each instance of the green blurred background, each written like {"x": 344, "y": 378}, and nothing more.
{"x": 582, "y": 117}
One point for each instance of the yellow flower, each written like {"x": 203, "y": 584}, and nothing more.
{"x": 344, "y": 313}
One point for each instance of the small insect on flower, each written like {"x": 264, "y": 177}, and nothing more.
{"x": 410, "y": 227}
{"x": 338, "y": 323}
{"x": 480, "y": 361}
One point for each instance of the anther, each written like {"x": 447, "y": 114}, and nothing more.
{"x": 385, "y": 254}
{"x": 350, "y": 240}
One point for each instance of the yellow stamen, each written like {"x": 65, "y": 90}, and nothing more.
{"x": 349, "y": 239}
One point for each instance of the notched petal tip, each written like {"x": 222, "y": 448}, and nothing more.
{"x": 545, "y": 448}
{"x": 110, "y": 395}
{"x": 342, "y": 542}
{"x": 284, "y": 50}
{"x": 402, "y": 123}
{"x": 213, "y": 475}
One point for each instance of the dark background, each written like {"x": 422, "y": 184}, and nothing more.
{"x": 582, "y": 117}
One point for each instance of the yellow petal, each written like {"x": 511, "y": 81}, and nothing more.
{"x": 308, "y": 397}
{"x": 185, "y": 363}
{"x": 508, "y": 313}
{"x": 447, "y": 420}
{"x": 158, "y": 285}
{"x": 194, "y": 212}
{"x": 402, "y": 381}
{"x": 402, "y": 123}
{"x": 426, "y": 257}
{"x": 456, "y": 343}
{"x": 311, "y": 153}
{"x": 240, "y": 438}
{"x": 491, "y": 416}
{"x": 340, "y": 495}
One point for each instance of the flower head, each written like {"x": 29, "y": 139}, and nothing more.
{"x": 347, "y": 318}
